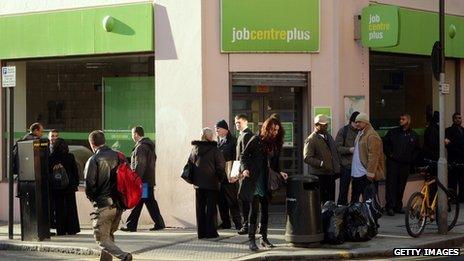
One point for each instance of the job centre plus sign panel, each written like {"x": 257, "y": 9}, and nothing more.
{"x": 270, "y": 25}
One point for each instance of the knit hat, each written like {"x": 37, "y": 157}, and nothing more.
{"x": 362, "y": 117}
{"x": 222, "y": 124}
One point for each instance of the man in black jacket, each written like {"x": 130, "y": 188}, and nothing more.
{"x": 401, "y": 146}
{"x": 35, "y": 133}
{"x": 455, "y": 144}
{"x": 143, "y": 160}
{"x": 100, "y": 188}
{"x": 228, "y": 200}
{"x": 249, "y": 155}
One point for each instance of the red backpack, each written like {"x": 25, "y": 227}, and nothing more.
{"x": 128, "y": 183}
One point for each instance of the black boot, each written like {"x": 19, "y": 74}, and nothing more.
{"x": 265, "y": 242}
{"x": 244, "y": 229}
{"x": 252, "y": 244}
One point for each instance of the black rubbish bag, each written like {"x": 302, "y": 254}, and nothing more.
{"x": 360, "y": 224}
{"x": 333, "y": 223}
{"x": 375, "y": 210}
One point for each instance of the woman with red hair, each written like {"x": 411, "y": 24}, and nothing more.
{"x": 271, "y": 140}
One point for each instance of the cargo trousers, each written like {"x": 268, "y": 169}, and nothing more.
{"x": 105, "y": 223}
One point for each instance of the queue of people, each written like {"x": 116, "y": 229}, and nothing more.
{"x": 257, "y": 156}
{"x": 358, "y": 156}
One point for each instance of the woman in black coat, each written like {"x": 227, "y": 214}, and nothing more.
{"x": 208, "y": 172}
{"x": 67, "y": 220}
{"x": 271, "y": 141}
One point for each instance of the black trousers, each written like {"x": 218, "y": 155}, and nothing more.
{"x": 395, "y": 183}
{"x": 251, "y": 218}
{"x": 228, "y": 201}
{"x": 358, "y": 187}
{"x": 455, "y": 180}
{"x": 66, "y": 217}
{"x": 206, "y": 210}
{"x": 327, "y": 187}
{"x": 153, "y": 210}
{"x": 345, "y": 179}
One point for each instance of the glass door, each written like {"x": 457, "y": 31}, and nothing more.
{"x": 258, "y": 103}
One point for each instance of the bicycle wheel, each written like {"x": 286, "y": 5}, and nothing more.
{"x": 453, "y": 209}
{"x": 415, "y": 222}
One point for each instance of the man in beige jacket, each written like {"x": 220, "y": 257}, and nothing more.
{"x": 368, "y": 163}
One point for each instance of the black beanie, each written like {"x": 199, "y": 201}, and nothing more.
{"x": 222, "y": 124}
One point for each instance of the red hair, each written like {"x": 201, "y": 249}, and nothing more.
{"x": 270, "y": 140}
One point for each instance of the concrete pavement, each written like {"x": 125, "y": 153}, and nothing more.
{"x": 182, "y": 244}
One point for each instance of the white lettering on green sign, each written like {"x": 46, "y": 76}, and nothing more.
{"x": 379, "y": 26}
{"x": 245, "y": 34}
{"x": 270, "y": 25}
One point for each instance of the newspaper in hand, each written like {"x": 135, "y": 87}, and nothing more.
{"x": 235, "y": 172}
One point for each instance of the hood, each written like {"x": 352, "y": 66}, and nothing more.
{"x": 202, "y": 147}
{"x": 147, "y": 142}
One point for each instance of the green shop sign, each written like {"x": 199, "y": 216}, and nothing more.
{"x": 88, "y": 31}
{"x": 402, "y": 30}
{"x": 270, "y": 25}
{"x": 379, "y": 26}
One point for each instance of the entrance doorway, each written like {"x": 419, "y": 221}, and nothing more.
{"x": 260, "y": 95}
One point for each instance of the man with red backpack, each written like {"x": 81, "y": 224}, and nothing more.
{"x": 143, "y": 160}
{"x": 100, "y": 188}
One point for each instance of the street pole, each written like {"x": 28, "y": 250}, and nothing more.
{"x": 10, "y": 165}
{"x": 442, "y": 162}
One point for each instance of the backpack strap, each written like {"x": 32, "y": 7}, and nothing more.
{"x": 345, "y": 133}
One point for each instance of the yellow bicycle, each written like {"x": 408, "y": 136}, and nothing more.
{"x": 419, "y": 208}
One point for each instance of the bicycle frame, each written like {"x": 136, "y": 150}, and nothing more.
{"x": 425, "y": 202}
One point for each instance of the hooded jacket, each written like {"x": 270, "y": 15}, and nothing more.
{"x": 209, "y": 165}
{"x": 143, "y": 160}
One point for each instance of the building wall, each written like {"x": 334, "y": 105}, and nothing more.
{"x": 179, "y": 103}
{"x": 193, "y": 86}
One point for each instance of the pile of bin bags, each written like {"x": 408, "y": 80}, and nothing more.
{"x": 356, "y": 222}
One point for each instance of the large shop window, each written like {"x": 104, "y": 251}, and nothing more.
{"x": 77, "y": 96}
{"x": 405, "y": 84}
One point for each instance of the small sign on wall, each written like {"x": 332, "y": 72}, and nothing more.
{"x": 9, "y": 76}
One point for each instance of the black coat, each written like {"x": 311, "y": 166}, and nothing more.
{"x": 401, "y": 145}
{"x": 209, "y": 165}
{"x": 250, "y": 156}
{"x": 100, "y": 184}
{"x": 269, "y": 160}
{"x": 228, "y": 148}
{"x": 143, "y": 160}
{"x": 69, "y": 164}
{"x": 455, "y": 134}
{"x": 431, "y": 142}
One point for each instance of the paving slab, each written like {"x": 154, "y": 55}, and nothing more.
{"x": 182, "y": 244}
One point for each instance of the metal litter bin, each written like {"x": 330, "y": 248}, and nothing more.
{"x": 304, "y": 222}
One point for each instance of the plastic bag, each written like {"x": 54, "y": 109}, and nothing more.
{"x": 360, "y": 224}
{"x": 375, "y": 210}
{"x": 333, "y": 223}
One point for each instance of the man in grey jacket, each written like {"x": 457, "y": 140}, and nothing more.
{"x": 345, "y": 146}
{"x": 143, "y": 160}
